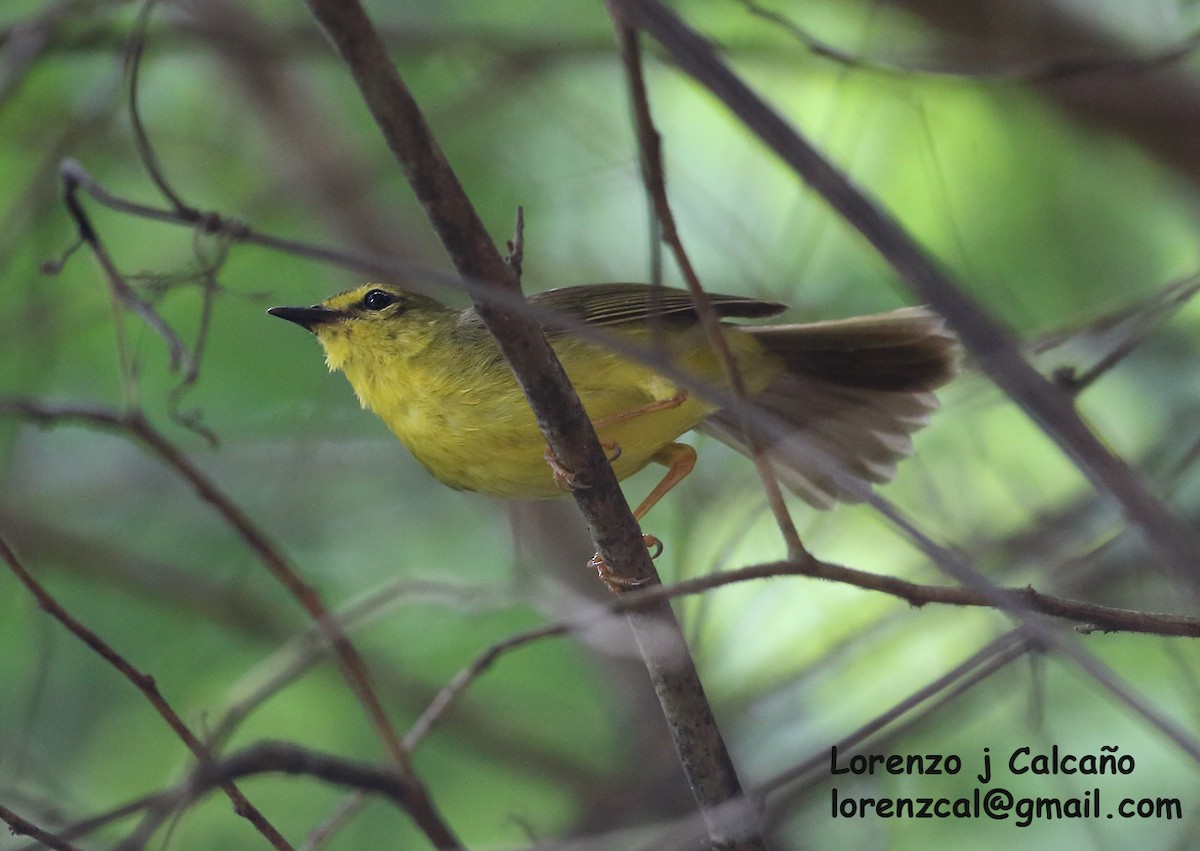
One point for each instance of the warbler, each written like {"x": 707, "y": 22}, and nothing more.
{"x": 845, "y": 395}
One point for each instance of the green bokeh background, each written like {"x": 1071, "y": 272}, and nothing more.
{"x": 1049, "y": 221}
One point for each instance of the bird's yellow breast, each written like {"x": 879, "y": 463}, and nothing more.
{"x": 467, "y": 421}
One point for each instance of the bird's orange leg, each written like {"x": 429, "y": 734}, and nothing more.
{"x": 679, "y": 459}
{"x": 565, "y": 479}
{"x": 641, "y": 410}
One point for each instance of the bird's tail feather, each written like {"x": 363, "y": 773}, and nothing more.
{"x": 852, "y": 393}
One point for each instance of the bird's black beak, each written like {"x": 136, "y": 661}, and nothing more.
{"x": 306, "y": 317}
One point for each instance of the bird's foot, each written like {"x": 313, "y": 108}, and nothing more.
{"x": 565, "y": 479}
{"x": 618, "y": 584}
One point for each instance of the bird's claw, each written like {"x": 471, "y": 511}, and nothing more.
{"x": 617, "y": 584}
{"x": 565, "y": 479}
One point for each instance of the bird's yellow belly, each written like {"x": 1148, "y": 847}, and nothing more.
{"x": 505, "y": 456}
{"x": 491, "y": 443}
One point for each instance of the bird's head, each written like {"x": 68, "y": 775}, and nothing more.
{"x": 369, "y": 326}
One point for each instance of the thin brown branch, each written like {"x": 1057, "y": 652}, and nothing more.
{"x": 23, "y": 827}
{"x": 991, "y": 343}
{"x": 655, "y": 180}
{"x": 1047, "y": 70}
{"x": 94, "y": 823}
{"x": 481, "y": 663}
{"x": 979, "y": 666}
{"x": 146, "y": 685}
{"x": 302, "y": 651}
{"x": 133, "y": 64}
{"x": 338, "y": 819}
{"x": 276, "y": 757}
{"x": 122, "y": 293}
{"x": 1088, "y": 617}
{"x": 1142, "y": 317}
{"x": 354, "y": 669}
{"x": 283, "y": 757}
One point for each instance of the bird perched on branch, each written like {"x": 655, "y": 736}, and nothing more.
{"x": 842, "y": 398}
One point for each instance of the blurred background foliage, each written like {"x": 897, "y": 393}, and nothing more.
{"x": 1043, "y": 151}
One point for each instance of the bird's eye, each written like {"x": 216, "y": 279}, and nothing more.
{"x": 378, "y": 299}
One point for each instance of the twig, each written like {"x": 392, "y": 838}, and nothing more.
{"x": 976, "y": 668}
{"x": 133, "y": 63}
{"x": 1144, "y": 315}
{"x": 23, "y": 827}
{"x": 271, "y": 757}
{"x": 654, "y": 177}
{"x": 275, "y": 757}
{"x": 1088, "y": 617}
{"x": 93, "y": 823}
{"x": 146, "y": 685}
{"x": 291, "y": 660}
{"x": 481, "y": 663}
{"x": 338, "y": 819}
{"x": 1054, "y": 69}
{"x": 134, "y": 425}
{"x": 516, "y": 246}
{"x": 121, "y": 291}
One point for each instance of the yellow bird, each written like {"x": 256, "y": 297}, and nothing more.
{"x": 847, "y": 393}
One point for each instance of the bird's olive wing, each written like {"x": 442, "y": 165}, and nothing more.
{"x": 611, "y": 304}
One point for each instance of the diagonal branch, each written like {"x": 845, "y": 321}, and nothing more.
{"x": 1088, "y": 617}
{"x": 143, "y": 683}
{"x": 654, "y": 177}
{"x": 19, "y": 826}
{"x": 560, "y": 415}
{"x": 354, "y": 669}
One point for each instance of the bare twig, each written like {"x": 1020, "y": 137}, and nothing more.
{"x": 133, "y": 62}
{"x": 1088, "y": 617}
{"x": 123, "y": 294}
{"x": 23, "y": 827}
{"x": 1052, "y": 69}
{"x": 294, "y": 658}
{"x": 135, "y": 426}
{"x": 272, "y": 757}
{"x": 94, "y": 823}
{"x": 146, "y": 685}
{"x": 1142, "y": 317}
{"x": 654, "y": 177}
{"x": 481, "y": 663}
{"x": 283, "y": 757}
{"x": 338, "y": 819}
{"x": 979, "y": 666}
{"x": 516, "y": 246}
